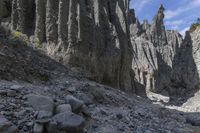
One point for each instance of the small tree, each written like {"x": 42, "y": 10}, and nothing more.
{"x": 194, "y": 26}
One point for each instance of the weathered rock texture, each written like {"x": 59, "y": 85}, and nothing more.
{"x": 186, "y": 67}
{"x": 105, "y": 38}
{"x": 154, "y": 50}
{"x": 162, "y": 60}
{"x": 90, "y": 34}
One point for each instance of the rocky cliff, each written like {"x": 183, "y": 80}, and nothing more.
{"x": 162, "y": 59}
{"x": 106, "y": 39}
{"x": 154, "y": 50}
{"x": 186, "y": 65}
{"x": 51, "y": 51}
{"x": 93, "y": 35}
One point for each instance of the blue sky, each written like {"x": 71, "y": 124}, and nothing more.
{"x": 179, "y": 14}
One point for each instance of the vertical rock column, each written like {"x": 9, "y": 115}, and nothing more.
{"x": 63, "y": 17}
{"x": 21, "y": 11}
{"x": 14, "y": 15}
{"x": 72, "y": 34}
{"x": 158, "y": 29}
{"x": 40, "y": 20}
{"x": 123, "y": 32}
{"x": 51, "y": 21}
{"x": 86, "y": 32}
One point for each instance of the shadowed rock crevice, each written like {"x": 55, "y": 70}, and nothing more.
{"x": 185, "y": 78}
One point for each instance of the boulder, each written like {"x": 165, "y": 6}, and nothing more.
{"x": 41, "y": 103}
{"x": 64, "y": 108}
{"x": 87, "y": 99}
{"x": 44, "y": 116}
{"x": 38, "y": 128}
{"x": 75, "y": 103}
{"x": 68, "y": 122}
{"x": 193, "y": 119}
{"x": 6, "y": 126}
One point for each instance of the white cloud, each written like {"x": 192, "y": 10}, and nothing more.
{"x": 188, "y": 5}
{"x": 196, "y": 2}
{"x": 176, "y": 27}
{"x": 184, "y": 30}
{"x": 138, "y": 5}
{"x": 174, "y": 23}
{"x": 170, "y": 14}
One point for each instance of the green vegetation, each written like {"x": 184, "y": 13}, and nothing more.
{"x": 20, "y": 36}
{"x": 37, "y": 44}
{"x": 194, "y": 26}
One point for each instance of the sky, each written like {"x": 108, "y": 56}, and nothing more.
{"x": 179, "y": 14}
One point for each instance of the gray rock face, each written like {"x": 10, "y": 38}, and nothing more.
{"x": 40, "y": 19}
{"x": 105, "y": 38}
{"x": 162, "y": 60}
{"x": 186, "y": 69}
{"x": 22, "y": 18}
{"x": 51, "y": 21}
{"x": 93, "y": 35}
{"x": 112, "y": 110}
{"x": 157, "y": 29}
{"x": 134, "y": 24}
{"x": 154, "y": 53}
{"x": 146, "y": 25}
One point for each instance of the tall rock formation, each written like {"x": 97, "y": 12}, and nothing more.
{"x": 93, "y": 35}
{"x": 158, "y": 29}
{"x": 105, "y": 38}
{"x": 40, "y": 19}
{"x": 162, "y": 60}
{"x": 154, "y": 51}
{"x": 134, "y": 24}
{"x": 186, "y": 65}
{"x": 22, "y": 16}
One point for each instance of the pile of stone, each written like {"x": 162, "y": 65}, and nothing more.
{"x": 52, "y": 118}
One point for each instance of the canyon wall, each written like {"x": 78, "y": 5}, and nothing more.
{"x": 105, "y": 38}
{"x": 186, "y": 64}
{"x": 154, "y": 50}
{"x": 162, "y": 59}
{"x": 93, "y": 35}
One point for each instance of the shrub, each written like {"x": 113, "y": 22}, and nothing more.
{"x": 37, "y": 44}
{"x": 194, "y": 26}
{"x": 20, "y": 36}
